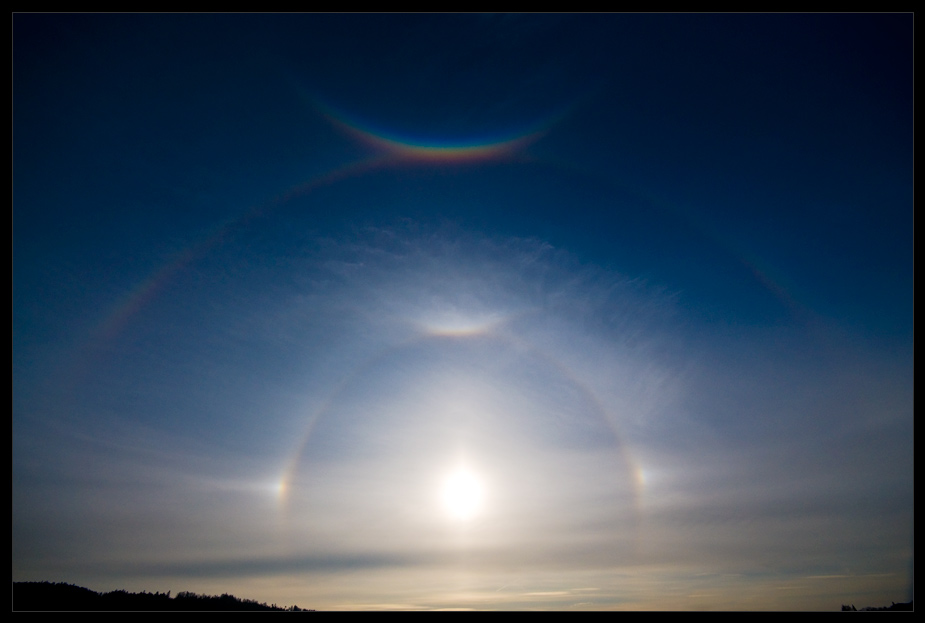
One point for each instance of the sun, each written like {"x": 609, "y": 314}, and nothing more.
{"x": 462, "y": 494}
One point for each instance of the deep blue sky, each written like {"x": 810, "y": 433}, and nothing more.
{"x": 276, "y": 276}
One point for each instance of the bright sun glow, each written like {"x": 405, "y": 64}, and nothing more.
{"x": 462, "y": 494}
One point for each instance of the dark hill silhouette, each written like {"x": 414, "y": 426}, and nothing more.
{"x": 45, "y": 596}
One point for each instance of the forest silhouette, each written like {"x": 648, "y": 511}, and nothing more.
{"x": 46, "y": 596}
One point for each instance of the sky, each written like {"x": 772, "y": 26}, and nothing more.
{"x": 502, "y": 312}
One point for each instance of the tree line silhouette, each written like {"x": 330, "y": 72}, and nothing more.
{"x": 39, "y": 596}
{"x": 903, "y": 607}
